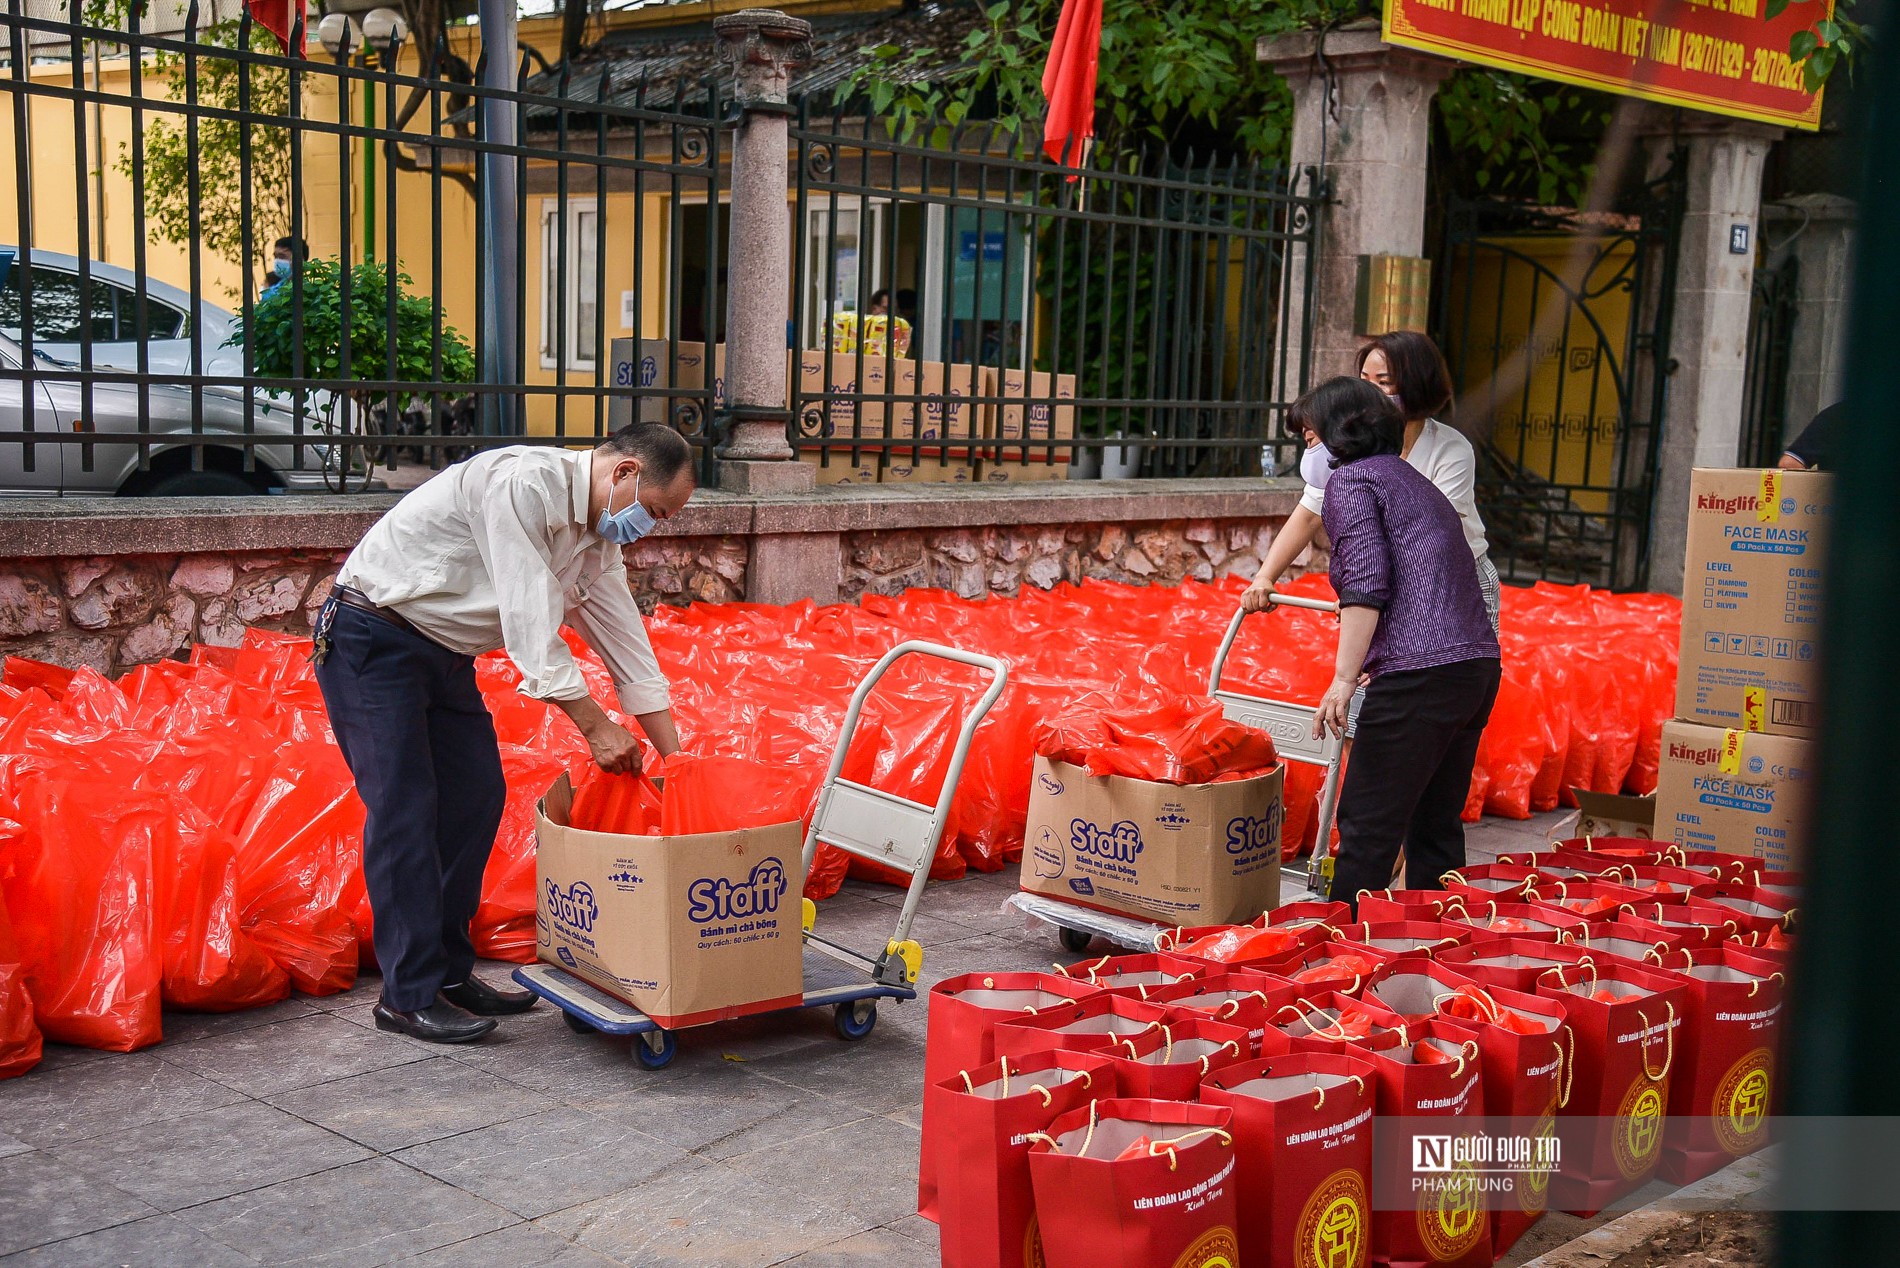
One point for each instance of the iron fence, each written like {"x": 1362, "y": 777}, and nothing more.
{"x": 156, "y": 171}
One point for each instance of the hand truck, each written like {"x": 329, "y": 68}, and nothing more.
{"x": 863, "y": 821}
{"x": 1291, "y": 726}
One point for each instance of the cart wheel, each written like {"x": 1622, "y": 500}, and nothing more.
{"x": 1074, "y": 940}
{"x": 855, "y": 1019}
{"x": 654, "y": 1049}
{"x": 576, "y": 1023}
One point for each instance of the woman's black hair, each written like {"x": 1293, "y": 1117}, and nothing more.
{"x": 1352, "y": 418}
{"x": 1418, "y": 371}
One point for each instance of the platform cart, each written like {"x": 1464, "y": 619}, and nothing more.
{"x": 860, "y": 820}
{"x": 1291, "y": 726}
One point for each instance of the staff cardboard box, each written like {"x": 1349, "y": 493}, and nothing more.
{"x": 901, "y": 467}
{"x": 687, "y": 929}
{"x": 1194, "y": 854}
{"x": 1029, "y": 409}
{"x": 1737, "y": 792}
{"x": 1751, "y": 600}
{"x": 661, "y": 363}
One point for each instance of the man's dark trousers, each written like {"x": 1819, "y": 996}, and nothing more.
{"x": 412, "y": 726}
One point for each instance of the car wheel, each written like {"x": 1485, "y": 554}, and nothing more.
{"x": 199, "y": 484}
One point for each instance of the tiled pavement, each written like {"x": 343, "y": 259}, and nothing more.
{"x": 301, "y": 1134}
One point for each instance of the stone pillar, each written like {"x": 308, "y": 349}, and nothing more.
{"x": 1816, "y": 232}
{"x": 765, "y": 47}
{"x": 1362, "y": 110}
{"x": 1708, "y": 341}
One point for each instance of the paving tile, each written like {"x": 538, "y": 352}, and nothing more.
{"x": 868, "y": 926}
{"x": 186, "y": 1027}
{"x": 410, "y": 1104}
{"x": 881, "y": 1073}
{"x": 918, "y": 1229}
{"x": 156, "y": 1240}
{"x": 867, "y": 1167}
{"x": 723, "y": 1111}
{"x": 297, "y": 1053}
{"x": 517, "y": 1246}
{"x": 536, "y": 1165}
{"x": 366, "y": 1214}
{"x": 47, "y": 1201}
{"x": 705, "y": 1215}
{"x": 57, "y": 1056}
{"x": 537, "y": 1051}
{"x": 879, "y": 1246}
{"x": 74, "y": 1102}
{"x": 9, "y": 1146}
{"x": 200, "y": 1157}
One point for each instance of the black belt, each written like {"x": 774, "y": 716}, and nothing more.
{"x": 351, "y": 597}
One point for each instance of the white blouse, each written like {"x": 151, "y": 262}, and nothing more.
{"x": 1443, "y": 456}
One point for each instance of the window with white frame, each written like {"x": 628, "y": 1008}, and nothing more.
{"x": 576, "y": 261}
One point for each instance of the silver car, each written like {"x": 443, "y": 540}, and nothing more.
{"x": 61, "y": 404}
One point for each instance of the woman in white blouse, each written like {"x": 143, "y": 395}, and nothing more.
{"x": 1409, "y": 368}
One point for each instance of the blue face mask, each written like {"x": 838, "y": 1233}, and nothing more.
{"x": 280, "y": 267}
{"x": 629, "y": 524}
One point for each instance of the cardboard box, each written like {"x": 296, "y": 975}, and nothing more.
{"x": 687, "y": 929}
{"x": 822, "y": 373}
{"x": 901, "y": 468}
{"x": 1737, "y": 792}
{"x": 841, "y": 470}
{"x": 659, "y": 363}
{"x": 1751, "y": 600}
{"x": 948, "y": 416}
{"x": 990, "y": 471}
{"x": 1034, "y": 418}
{"x": 1197, "y": 854}
{"x": 1611, "y": 815}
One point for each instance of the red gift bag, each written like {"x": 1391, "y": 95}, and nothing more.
{"x": 1407, "y": 904}
{"x": 1524, "y": 1051}
{"x": 1088, "y": 1025}
{"x": 1513, "y": 963}
{"x": 1136, "y": 976}
{"x": 1237, "y": 946}
{"x": 1484, "y": 882}
{"x": 958, "y": 1036}
{"x": 1307, "y": 913}
{"x": 1724, "y": 1082}
{"x": 1132, "y": 1183}
{"x": 1608, "y": 938}
{"x": 1235, "y": 997}
{"x": 1493, "y": 919}
{"x": 983, "y": 1119}
{"x": 1760, "y": 908}
{"x": 1169, "y": 1062}
{"x": 1329, "y": 1023}
{"x": 1405, "y": 937}
{"x": 1598, "y": 899}
{"x": 1698, "y": 921}
{"x": 1330, "y": 966}
{"x": 1436, "y": 1074}
{"x": 1303, "y": 1149}
{"x": 1412, "y": 986}
{"x": 1627, "y": 1024}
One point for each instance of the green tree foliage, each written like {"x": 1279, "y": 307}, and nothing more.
{"x": 1827, "y": 44}
{"x": 217, "y": 159}
{"x": 1512, "y": 136}
{"x": 270, "y": 326}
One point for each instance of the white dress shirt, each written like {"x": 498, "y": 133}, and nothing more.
{"x": 1443, "y": 456}
{"x": 497, "y": 552}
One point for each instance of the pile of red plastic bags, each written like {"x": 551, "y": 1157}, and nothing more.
{"x": 190, "y": 836}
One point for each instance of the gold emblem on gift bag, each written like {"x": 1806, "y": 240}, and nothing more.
{"x": 1741, "y": 1102}
{"x": 1216, "y": 1248}
{"x": 1332, "y": 1227}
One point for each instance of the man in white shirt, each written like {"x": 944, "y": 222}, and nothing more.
{"x": 499, "y": 551}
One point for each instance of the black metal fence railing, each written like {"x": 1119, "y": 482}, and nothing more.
{"x": 147, "y": 344}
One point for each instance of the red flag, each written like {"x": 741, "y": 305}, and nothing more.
{"x": 280, "y": 16}
{"x": 1068, "y": 82}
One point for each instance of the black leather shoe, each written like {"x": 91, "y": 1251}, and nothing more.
{"x": 483, "y": 1000}
{"x": 440, "y": 1022}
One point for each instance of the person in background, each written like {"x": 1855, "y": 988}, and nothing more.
{"x": 1813, "y": 449}
{"x": 496, "y": 552}
{"x": 1412, "y": 622}
{"x": 1410, "y": 370}
{"x": 907, "y": 305}
{"x": 287, "y": 255}
{"x": 880, "y": 302}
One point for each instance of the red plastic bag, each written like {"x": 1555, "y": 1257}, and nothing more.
{"x": 627, "y": 805}
{"x": 1173, "y": 740}
{"x": 22, "y": 674}
{"x": 79, "y": 880}
{"x": 210, "y": 964}
{"x": 19, "y": 1033}
{"x": 503, "y": 928}
{"x": 724, "y": 794}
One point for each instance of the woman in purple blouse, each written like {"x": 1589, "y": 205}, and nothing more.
{"x": 1412, "y": 618}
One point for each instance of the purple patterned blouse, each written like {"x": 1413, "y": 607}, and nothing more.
{"x": 1398, "y": 546}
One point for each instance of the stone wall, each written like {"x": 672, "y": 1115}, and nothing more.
{"x": 118, "y": 584}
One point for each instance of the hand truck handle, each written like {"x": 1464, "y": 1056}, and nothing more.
{"x": 1276, "y": 599}
{"x": 999, "y": 678}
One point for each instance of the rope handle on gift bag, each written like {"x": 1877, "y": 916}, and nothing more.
{"x": 1669, "y": 1043}
{"x": 1207, "y": 1062}
{"x": 1158, "y": 1147}
{"x": 1455, "y": 876}
{"x": 1466, "y": 1051}
{"x": 1478, "y": 995}
{"x": 1314, "y": 1028}
{"x": 1566, "y": 1066}
{"x": 970, "y": 1087}
{"x": 1659, "y": 952}
{"x": 1585, "y": 963}
{"x": 1231, "y": 1009}
{"x": 1319, "y": 1101}
{"x": 1754, "y": 987}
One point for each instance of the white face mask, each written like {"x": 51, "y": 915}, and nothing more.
{"x": 1316, "y": 465}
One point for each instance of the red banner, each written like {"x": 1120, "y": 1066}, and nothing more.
{"x": 1716, "y": 55}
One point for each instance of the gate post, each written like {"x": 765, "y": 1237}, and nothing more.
{"x": 1701, "y": 422}
{"x": 764, "y": 46}
{"x": 1362, "y": 114}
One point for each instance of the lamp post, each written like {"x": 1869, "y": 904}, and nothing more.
{"x": 501, "y": 222}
